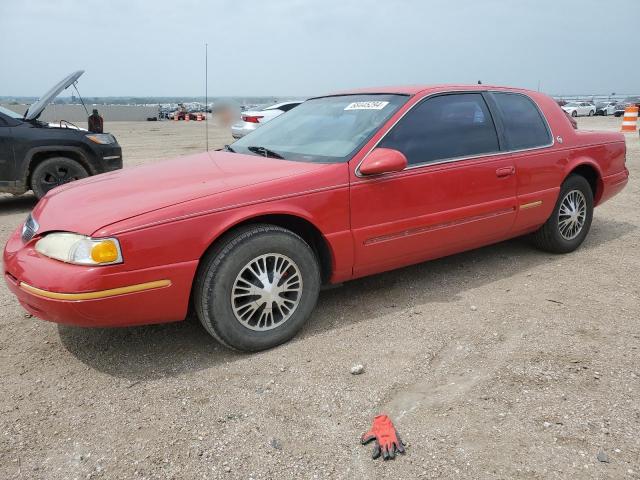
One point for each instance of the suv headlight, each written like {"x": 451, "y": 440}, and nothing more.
{"x": 102, "y": 138}
{"x": 79, "y": 249}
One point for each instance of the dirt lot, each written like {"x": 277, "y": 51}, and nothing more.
{"x": 503, "y": 362}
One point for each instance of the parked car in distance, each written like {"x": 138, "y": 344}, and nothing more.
{"x": 39, "y": 156}
{"x": 577, "y": 109}
{"x": 252, "y": 119}
{"x": 342, "y": 186}
{"x": 629, "y": 101}
{"x": 605, "y": 108}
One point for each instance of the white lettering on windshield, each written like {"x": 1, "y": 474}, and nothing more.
{"x": 374, "y": 105}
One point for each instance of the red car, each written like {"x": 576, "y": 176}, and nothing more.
{"x": 342, "y": 186}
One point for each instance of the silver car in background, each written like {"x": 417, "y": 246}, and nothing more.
{"x": 576, "y": 109}
{"x": 252, "y": 119}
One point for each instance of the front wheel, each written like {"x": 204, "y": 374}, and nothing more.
{"x": 53, "y": 172}
{"x": 257, "y": 287}
{"x": 591, "y": 113}
{"x": 574, "y": 113}
{"x": 569, "y": 224}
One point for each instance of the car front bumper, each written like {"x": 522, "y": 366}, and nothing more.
{"x": 95, "y": 296}
{"x": 111, "y": 158}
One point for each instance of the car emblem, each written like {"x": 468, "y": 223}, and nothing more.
{"x": 559, "y": 139}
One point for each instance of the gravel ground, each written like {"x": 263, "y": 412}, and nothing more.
{"x": 502, "y": 362}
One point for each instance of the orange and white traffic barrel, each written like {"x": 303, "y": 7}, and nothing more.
{"x": 630, "y": 120}
{"x": 199, "y": 117}
{"x": 187, "y": 116}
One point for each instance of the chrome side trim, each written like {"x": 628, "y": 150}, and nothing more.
{"x": 458, "y": 159}
{"x": 437, "y": 226}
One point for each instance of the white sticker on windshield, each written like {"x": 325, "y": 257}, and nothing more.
{"x": 376, "y": 105}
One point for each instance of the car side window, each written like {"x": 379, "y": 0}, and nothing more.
{"x": 523, "y": 123}
{"x": 444, "y": 127}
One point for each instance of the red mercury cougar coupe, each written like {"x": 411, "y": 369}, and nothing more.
{"x": 342, "y": 186}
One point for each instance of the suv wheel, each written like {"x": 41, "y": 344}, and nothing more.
{"x": 53, "y": 172}
{"x": 257, "y": 288}
{"x": 569, "y": 224}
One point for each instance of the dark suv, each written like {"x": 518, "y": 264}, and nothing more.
{"x": 39, "y": 156}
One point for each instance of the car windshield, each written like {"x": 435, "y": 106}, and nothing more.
{"x": 601, "y": 104}
{"x": 571, "y": 104}
{"x": 323, "y": 130}
{"x": 10, "y": 113}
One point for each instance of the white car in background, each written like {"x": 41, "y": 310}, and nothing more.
{"x": 605, "y": 108}
{"x": 252, "y": 119}
{"x": 576, "y": 109}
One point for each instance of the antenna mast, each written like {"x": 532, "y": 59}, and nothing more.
{"x": 206, "y": 93}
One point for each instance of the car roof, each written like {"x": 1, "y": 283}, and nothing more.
{"x": 421, "y": 89}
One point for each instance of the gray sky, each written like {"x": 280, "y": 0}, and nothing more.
{"x": 307, "y": 47}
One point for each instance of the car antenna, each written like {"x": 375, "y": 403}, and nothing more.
{"x": 75, "y": 86}
{"x": 206, "y": 97}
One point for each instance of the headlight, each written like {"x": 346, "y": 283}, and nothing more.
{"x": 102, "y": 138}
{"x": 79, "y": 249}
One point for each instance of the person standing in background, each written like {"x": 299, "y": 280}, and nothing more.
{"x": 96, "y": 122}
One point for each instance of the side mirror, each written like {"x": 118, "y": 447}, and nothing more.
{"x": 383, "y": 160}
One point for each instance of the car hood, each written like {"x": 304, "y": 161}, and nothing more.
{"x": 37, "y": 108}
{"x": 87, "y": 205}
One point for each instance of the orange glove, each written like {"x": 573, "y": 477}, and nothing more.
{"x": 387, "y": 439}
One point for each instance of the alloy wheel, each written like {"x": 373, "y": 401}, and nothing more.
{"x": 266, "y": 292}
{"x": 59, "y": 175}
{"x": 572, "y": 214}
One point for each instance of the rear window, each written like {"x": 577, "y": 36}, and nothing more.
{"x": 523, "y": 123}
{"x": 287, "y": 106}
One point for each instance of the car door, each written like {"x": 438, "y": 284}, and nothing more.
{"x": 538, "y": 160}
{"x": 6, "y": 154}
{"x": 458, "y": 191}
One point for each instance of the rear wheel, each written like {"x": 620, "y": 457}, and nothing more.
{"x": 591, "y": 113}
{"x": 569, "y": 224}
{"x": 257, "y": 288}
{"x": 53, "y": 172}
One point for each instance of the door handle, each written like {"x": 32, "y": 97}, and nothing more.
{"x": 505, "y": 171}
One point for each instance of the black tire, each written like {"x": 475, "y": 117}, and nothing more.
{"x": 217, "y": 273}
{"x": 591, "y": 113}
{"x": 53, "y": 172}
{"x": 574, "y": 113}
{"x": 549, "y": 237}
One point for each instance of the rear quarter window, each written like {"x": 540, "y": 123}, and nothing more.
{"x": 523, "y": 122}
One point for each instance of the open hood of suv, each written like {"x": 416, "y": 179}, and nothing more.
{"x": 36, "y": 109}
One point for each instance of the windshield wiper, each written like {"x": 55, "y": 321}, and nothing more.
{"x": 227, "y": 148}
{"x": 265, "y": 151}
